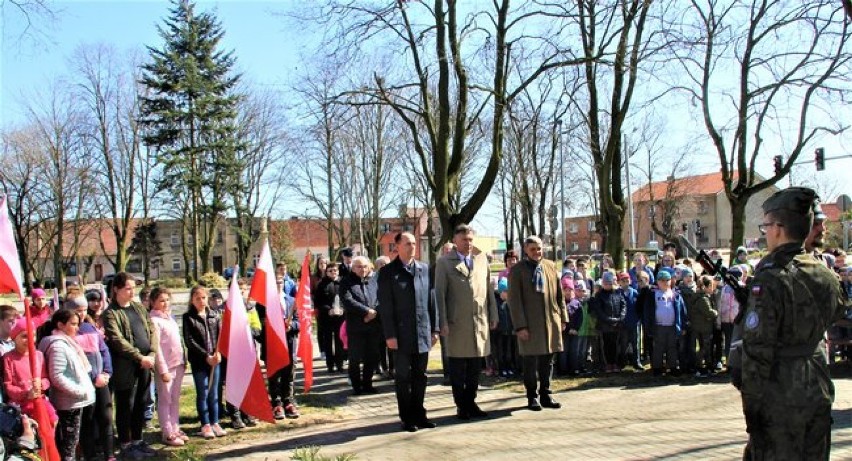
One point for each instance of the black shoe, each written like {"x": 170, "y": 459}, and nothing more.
{"x": 426, "y": 424}
{"x": 533, "y": 404}
{"x": 550, "y": 403}
{"x": 370, "y": 390}
{"x": 408, "y": 427}
{"x": 250, "y": 421}
{"x": 237, "y": 423}
{"x": 476, "y": 412}
{"x": 357, "y": 392}
{"x": 463, "y": 415}
{"x": 446, "y": 381}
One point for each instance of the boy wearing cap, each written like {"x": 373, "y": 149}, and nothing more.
{"x": 630, "y": 337}
{"x": 665, "y": 316}
{"x": 689, "y": 291}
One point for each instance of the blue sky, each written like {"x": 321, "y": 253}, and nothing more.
{"x": 268, "y": 46}
{"x": 265, "y": 43}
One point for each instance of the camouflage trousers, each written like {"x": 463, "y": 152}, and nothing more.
{"x": 786, "y": 432}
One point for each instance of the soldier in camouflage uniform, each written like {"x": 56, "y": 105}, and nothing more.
{"x": 786, "y": 390}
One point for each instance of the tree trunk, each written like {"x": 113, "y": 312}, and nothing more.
{"x": 738, "y": 208}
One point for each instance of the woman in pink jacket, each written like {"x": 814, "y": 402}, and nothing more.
{"x": 169, "y": 367}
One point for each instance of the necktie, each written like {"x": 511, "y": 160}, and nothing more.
{"x": 468, "y": 262}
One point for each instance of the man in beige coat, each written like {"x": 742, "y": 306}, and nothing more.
{"x": 468, "y": 311}
{"x": 539, "y": 317}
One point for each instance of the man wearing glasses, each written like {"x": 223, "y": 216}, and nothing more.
{"x": 793, "y": 299}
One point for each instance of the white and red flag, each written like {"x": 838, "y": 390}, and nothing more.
{"x": 10, "y": 282}
{"x": 244, "y": 385}
{"x": 305, "y": 309}
{"x": 265, "y": 291}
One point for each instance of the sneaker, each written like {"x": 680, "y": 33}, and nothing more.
{"x": 207, "y": 432}
{"x": 250, "y": 421}
{"x": 143, "y": 447}
{"x": 173, "y": 440}
{"x": 218, "y": 431}
{"x": 278, "y": 412}
{"x": 237, "y": 423}
{"x": 290, "y": 411}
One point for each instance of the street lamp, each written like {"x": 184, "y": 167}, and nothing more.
{"x": 561, "y": 186}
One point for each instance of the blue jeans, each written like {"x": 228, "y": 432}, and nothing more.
{"x": 577, "y": 348}
{"x": 207, "y": 400}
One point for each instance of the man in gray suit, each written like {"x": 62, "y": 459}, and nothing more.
{"x": 468, "y": 311}
{"x": 410, "y": 324}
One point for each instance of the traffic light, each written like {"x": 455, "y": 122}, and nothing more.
{"x": 778, "y": 160}
{"x": 698, "y": 229}
{"x": 820, "y": 158}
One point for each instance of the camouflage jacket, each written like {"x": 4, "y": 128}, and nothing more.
{"x": 793, "y": 299}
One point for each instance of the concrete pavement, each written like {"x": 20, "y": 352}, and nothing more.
{"x": 649, "y": 419}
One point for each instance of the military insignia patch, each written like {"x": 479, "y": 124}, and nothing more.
{"x": 755, "y": 290}
{"x": 752, "y": 321}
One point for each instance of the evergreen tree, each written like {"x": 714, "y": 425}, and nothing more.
{"x": 146, "y": 246}
{"x": 189, "y": 113}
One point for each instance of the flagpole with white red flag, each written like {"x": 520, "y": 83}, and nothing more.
{"x": 304, "y": 309}
{"x": 246, "y": 391}
{"x": 265, "y": 291}
{"x": 11, "y": 282}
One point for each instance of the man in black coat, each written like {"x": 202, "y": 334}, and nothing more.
{"x": 362, "y": 326}
{"x": 410, "y": 324}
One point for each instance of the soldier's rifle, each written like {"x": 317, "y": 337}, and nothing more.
{"x": 716, "y": 268}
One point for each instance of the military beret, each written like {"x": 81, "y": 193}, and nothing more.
{"x": 346, "y": 251}
{"x": 799, "y": 200}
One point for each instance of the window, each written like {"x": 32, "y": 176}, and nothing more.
{"x": 593, "y": 246}
{"x": 134, "y": 265}
{"x": 220, "y": 237}
{"x": 652, "y": 236}
{"x": 408, "y": 228}
{"x": 175, "y": 264}
{"x": 391, "y": 247}
{"x": 575, "y": 246}
{"x": 573, "y": 228}
{"x": 175, "y": 239}
{"x": 702, "y": 207}
{"x": 386, "y": 227}
{"x": 591, "y": 226}
{"x": 651, "y": 211}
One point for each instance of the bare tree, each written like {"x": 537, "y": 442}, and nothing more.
{"x": 108, "y": 90}
{"x": 20, "y": 165}
{"x": 620, "y": 31}
{"x": 260, "y": 127}
{"x": 436, "y": 92}
{"x": 58, "y": 126}
{"x": 782, "y": 61}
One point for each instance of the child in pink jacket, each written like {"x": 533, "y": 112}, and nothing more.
{"x": 20, "y": 386}
{"x": 169, "y": 367}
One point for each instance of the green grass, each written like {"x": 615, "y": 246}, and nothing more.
{"x": 314, "y": 408}
{"x": 312, "y": 454}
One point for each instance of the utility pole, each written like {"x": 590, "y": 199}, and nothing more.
{"x": 561, "y": 188}
{"x": 629, "y": 195}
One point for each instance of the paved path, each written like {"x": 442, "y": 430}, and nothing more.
{"x": 660, "y": 420}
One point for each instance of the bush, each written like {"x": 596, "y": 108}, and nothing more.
{"x": 213, "y": 280}
{"x": 171, "y": 282}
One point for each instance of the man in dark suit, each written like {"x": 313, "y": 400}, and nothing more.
{"x": 410, "y": 323}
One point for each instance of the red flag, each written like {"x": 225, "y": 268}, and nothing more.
{"x": 10, "y": 282}
{"x": 264, "y": 291}
{"x": 246, "y": 391}
{"x": 304, "y": 308}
